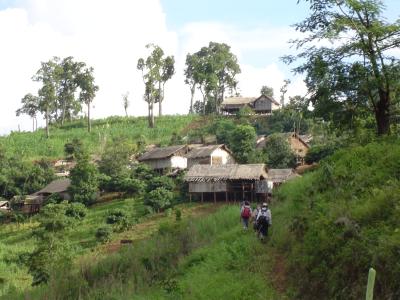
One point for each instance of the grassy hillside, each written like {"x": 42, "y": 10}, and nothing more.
{"x": 337, "y": 222}
{"x": 35, "y": 145}
{"x": 201, "y": 258}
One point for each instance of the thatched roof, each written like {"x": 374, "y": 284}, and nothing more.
{"x": 238, "y": 100}
{"x": 205, "y": 151}
{"x": 56, "y": 186}
{"x": 281, "y": 175}
{"x": 160, "y": 153}
{"x": 207, "y": 173}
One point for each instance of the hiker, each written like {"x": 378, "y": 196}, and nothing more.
{"x": 263, "y": 220}
{"x": 254, "y": 215}
{"x": 245, "y": 214}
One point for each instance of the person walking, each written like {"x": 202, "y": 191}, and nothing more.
{"x": 264, "y": 221}
{"x": 245, "y": 214}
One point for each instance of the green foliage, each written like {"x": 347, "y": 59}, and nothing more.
{"x": 164, "y": 182}
{"x": 103, "y": 234}
{"x": 116, "y": 158}
{"x": 223, "y": 130}
{"x": 267, "y": 91}
{"x": 159, "y": 199}
{"x": 72, "y": 148}
{"x": 318, "y": 152}
{"x": 242, "y": 142}
{"x": 203, "y": 258}
{"x": 84, "y": 181}
{"x": 278, "y": 152}
{"x": 76, "y": 210}
{"x": 178, "y": 215}
{"x": 349, "y": 206}
{"x": 120, "y": 219}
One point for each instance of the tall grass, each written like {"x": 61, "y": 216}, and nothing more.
{"x": 35, "y": 145}
{"x": 207, "y": 258}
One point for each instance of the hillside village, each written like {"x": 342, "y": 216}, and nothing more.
{"x": 287, "y": 192}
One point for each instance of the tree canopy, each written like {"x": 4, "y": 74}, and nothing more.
{"x": 354, "y": 73}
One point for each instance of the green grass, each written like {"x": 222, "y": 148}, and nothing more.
{"x": 201, "y": 258}
{"x": 36, "y": 145}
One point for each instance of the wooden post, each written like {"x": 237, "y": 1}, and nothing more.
{"x": 242, "y": 191}
{"x": 371, "y": 283}
{"x": 252, "y": 193}
{"x": 190, "y": 197}
{"x": 202, "y": 197}
{"x": 215, "y": 197}
{"x": 234, "y": 197}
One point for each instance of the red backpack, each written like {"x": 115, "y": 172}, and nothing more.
{"x": 246, "y": 212}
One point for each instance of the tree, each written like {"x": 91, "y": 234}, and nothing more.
{"x": 356, "y": 71}
{"x": 88, "y": 91}
{"x": 125, "y": 102}
{"x": 242, "y": 142}
{"x": 267, "y": 91}
{"x": 278, "y": 152}
{"x": 283, "y": 91}
{"x": 84, "y": 180}
{"x": 156, "y": 71}
{"x": 30, "y": 107}
{"x": 190, "y": 79}
{"x": 213, "y": 70}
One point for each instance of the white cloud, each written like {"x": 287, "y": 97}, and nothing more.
{"x": 110, "y": 36}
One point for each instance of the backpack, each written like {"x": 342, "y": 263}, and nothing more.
{"x": 246, "y": 212}
{"x": 263, "y": 220}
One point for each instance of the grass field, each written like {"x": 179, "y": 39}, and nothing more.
{"x": 36, "y": 145}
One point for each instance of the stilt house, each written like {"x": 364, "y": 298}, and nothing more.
{"x": 228, "y": 182}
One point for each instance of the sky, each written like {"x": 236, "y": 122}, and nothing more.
{"x": 111, "y": 36}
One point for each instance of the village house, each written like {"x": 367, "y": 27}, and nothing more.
{"x": 172, "y": 157}
{"x": 4, "y": 205}
{"x": 230, "y": 182}
{"x": 298, "y": 146}
{"x": 278, "y": 176}
{"x": 260, "y": 105}
{"x": 210, "y": 155}
{"x": 33, "y": 203}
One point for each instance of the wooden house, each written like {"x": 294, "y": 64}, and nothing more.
{"x": 298, "y": 146}
{"x": 33, "y": 203}
{"x": 173, "y": 157}
{"x": 260, "y": 105}
{"x": 210, "y": 155}
{"x": 228, "y": 182}
{"x": 278, "y": 176}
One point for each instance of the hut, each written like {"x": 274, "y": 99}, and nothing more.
{"x": 4, "y": 205}
{"x": 173, "y": 157}
{"x": 298, "y": 146}
{"x": 278, "y": 176}
{"x": 229, "y": 182}
{"x": 210, "y": 155}
{"x": 260, "y": 105}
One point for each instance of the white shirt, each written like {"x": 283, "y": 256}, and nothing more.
{"x": 267, "y": 213}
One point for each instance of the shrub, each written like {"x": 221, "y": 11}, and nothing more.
{"x": 103, "y": 234}
{"x": 161, "y": 182}
{"x": 119, "y": 219}
{"x": 159, "y": 199}
{"x": 76, "y": 210}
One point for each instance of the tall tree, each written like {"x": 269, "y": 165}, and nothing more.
{"x": 267, "y": 91}
{"x": 190, "y": 77}
{"x": 125, "y": 102}
{"x": 85, "y": 81}
{"x": 357, "y": 65}
{"x": 213, "y": 70}
{"x": 30, "y": 107}
{"x": 156, "y": 71}
{"x": 283, "y": 91}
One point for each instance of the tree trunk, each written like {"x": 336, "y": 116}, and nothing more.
{"x": 88, "y": 118}
{"x": 47, "y": 123}
{"x": 33, "y": 124}
{"x": 152, "y": 115}
{"x": 382, "y": 114}
{"x": 126, "y": 112}
{"x": 192, "y": 90}
{"x": 160, "y": 99}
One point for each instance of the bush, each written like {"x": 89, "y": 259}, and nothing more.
{"x": 317, "y": 153}
{"x": 161, "y": 182}
{"x": 103, "y": 234}
{"x": 159, "y": 199}
{"x": 76, "y": 210}
{"x": 119, "y": 219}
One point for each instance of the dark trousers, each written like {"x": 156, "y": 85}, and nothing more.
{"x": 245, "y": 222}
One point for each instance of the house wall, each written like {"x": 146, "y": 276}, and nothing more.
{"x": 298, "y": 147}
{"x": 263, "y": 104}
{"x": 174, "y": 162}
{"x": 207, "y": 187}
{"x": 221, "y": 157}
